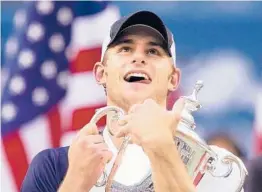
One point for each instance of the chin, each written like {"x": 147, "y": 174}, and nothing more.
{"x": 136, "y": 98}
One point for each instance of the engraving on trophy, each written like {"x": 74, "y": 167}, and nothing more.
{"x": 150, "y": 188}
{"x": 186, "y": 152}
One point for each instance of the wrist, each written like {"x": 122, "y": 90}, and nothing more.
{"x": 73, "y": 182}
{"x": 160, "y": 148}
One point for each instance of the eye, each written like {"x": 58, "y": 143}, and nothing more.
{"x": 153, "y": 51}
{"x": 125, "y": 49}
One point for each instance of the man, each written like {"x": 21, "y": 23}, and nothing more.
{"x": 138, "y": 71}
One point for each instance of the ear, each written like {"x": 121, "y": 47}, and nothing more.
{"x": 99, "y": 73}
{"x": 174, "y": 79}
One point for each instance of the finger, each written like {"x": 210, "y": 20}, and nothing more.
{"x": 89, "y": 129}
{"x": 124, "y": 131}
{"x": 105, "y": 156}
{"x": 102, "y": 155}
{"x": 115, "y": 126}
{"x": 94, "y": 139}
{"x": 133, "y": 108}
{"x": 149, "y": 101}
{"x": 123, "y": 120}
{"x": 87, "y": 141}
{"x": 101, "y": 151}
{"x": 178, "y": 107}
{"x": 98, "y": 147}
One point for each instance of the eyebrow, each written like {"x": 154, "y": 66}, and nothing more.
{"x": 123, "y": 41}
{"x": 152, "y": 43}
{"x": 130, "y": 41}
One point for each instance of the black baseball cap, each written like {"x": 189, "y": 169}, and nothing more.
{"x": 145, "y": 19}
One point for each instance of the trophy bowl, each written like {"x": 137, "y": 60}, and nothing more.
{"x": 197, "y": 156}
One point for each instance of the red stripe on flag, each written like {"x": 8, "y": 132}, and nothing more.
{"x": 83, "y": 116}
{"x": 16, "y": 156}
{"x": 258, "y": 143}
{"x": 85, "y": 60}
{"x": 54, "y": 121}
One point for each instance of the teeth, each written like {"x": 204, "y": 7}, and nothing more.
{"x": 137, "y": 75}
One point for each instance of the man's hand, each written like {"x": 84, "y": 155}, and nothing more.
{"x": 154, "y": 128}
{"x": 87, "y": 157}
{"x": 150, "y": 125}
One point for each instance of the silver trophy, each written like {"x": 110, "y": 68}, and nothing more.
{"x": 197, "y": 156}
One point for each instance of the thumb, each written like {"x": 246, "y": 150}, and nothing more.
{"x": 178, "y": 108}
{"x": 122, "y": 132}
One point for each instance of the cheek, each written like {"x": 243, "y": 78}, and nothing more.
{"x": 115, "y": 67}
{"x": 112, "y": 74}
{"x": 162, "y": 74}
{"x": 162, "y": 81}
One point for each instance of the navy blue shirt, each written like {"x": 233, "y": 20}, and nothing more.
{"x": 46, "y": 171}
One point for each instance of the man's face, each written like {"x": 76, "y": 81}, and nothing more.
{"x": 137, "y": 67}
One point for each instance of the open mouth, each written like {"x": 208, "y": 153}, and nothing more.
{"x": 137, "y": 78}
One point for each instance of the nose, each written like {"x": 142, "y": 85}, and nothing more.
{"x": 138, "y": 61}
{"x": 138, "y": 58}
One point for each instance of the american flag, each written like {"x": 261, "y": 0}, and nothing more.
{"x": 50, "y": 89}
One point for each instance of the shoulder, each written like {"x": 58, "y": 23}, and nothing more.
{"x": 51, "y": 154}
{"x": 55, "y": 158}
{"x": 46, "y": 170}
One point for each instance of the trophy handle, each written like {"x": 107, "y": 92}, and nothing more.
{"x": 229, "y": 160}
{"x": 102, "y": 180}
{"x": 97, "y": 116}
{"x": 117, "y": 163}
{"x": 104, "y": 111}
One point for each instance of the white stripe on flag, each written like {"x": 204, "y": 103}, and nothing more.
{"x": 35, "y": 136}
{"x": 90, "y": 31}
{"x": 83, "y": 90}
